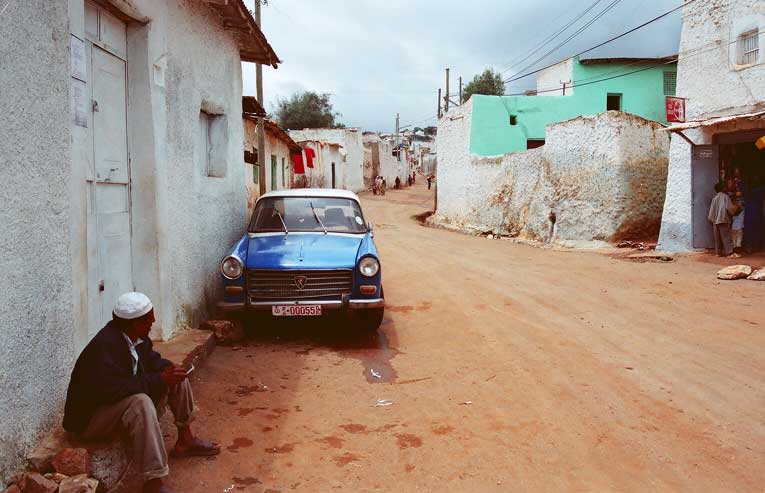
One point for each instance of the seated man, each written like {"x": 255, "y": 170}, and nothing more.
{"x": 117, "y": 383}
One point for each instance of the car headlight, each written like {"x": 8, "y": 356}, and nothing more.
{"x": 369, "y": 266}
{"x": 231, "y": 268}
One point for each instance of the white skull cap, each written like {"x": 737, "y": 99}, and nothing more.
{"x": 133, "y": 305}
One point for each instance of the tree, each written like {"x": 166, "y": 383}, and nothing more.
{"x": 306, "y": 110}
{"x": 489, "y": 82}
{"x": 431, "y": 131}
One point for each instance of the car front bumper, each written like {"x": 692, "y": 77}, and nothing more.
{"x": 265, "y": 306}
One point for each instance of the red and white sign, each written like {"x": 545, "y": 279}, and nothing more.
{"x": 675, "y": 109}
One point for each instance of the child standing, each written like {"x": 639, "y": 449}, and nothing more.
{"x": 737, "y": 227}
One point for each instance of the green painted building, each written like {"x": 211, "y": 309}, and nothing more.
{"x": 502, "y": 124}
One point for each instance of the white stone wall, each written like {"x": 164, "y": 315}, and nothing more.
{"x": 389, "y": 166}
{"x": 609, "y": 189}
{"x": 36, "y": 306}
{"x": 349, "y": 169}
{"x": 714, "y": 84}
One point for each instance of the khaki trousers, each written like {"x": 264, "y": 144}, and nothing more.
{"x": 723, "y": 241}
{"x": 136, "y": 416}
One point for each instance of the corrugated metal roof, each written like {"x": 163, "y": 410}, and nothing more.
{"x": 714, "y": 121}
{"x": 253, "y": 45}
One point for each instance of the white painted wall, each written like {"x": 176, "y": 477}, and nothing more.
{"x": 609, "y": 189}
{"x": 389, "y": 166}
{"x": 714, "y": 84}
{"x": 180, "y": 60}
{"x": 552, "y": 77}
{"x": 36, "y": 306}
{"x": 349, "y": 161}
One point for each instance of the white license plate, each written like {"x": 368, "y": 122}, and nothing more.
{"x": 296, "y": 311}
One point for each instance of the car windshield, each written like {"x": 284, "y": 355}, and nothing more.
{"x": 301, "y": 214}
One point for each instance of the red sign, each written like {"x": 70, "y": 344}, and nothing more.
{"x": 675, "y": 109}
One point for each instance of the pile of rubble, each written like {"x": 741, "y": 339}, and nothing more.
{"x": 735, "y": 272}
{"x": 67, "y": 472}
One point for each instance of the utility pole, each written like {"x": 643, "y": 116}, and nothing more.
{"x": 460, "y": 90}
{"x": 446, "y": 104}
{"x": 439, "y": 103}
{"x": 261, "y": 119}
{"x": 398, "y": 151}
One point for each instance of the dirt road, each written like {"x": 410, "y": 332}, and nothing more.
{"x": 509, "y": 368}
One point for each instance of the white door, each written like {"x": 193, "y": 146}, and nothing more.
{"x": 109, "y": 226}
{"x": 705, "y": 173}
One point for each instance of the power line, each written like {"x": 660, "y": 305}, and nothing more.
{"x": 665, "y": 14}
{"x": 572, "y": 36}
{"x": 550, "y": 38}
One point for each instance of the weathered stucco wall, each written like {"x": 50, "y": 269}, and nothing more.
{"x": 349, "y": 169}
{"x": 36, "y": 314}
{"x": 714, "y": 84}
{"x": 204, "y": 214}
{"x": 609, "y": 189}
{"x": 383, "y": 162}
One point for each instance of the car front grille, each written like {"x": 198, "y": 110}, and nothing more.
{"x": 282, "y": 285}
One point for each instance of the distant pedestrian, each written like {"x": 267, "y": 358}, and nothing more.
{"x": 383, "y": 186}
{"x": 720, "y": 214}
{"x": 413, "y": 177}
{"x": 430, "y": 178}
{"x": 397, "y": 183}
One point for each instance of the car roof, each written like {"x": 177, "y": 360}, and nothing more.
{"x": 312, "y": 192}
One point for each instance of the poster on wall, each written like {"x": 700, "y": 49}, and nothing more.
{"x": 675, "y": 109}
{"x": 77, "y": 59}
{"x": 79, "y": 103}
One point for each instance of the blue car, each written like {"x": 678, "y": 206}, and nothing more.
{"x": 307, "y": 252}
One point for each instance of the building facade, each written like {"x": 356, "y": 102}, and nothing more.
{"x": 279, "y": 171}
{"x": 583, "y": 195}
{"x": 721, "y": 75}
{"x": 122, "y": 162}
{"x": 573, "y": 88}
{"x": 338, "y": 161}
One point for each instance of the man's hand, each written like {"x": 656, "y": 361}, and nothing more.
{"x": 173, "y": 375}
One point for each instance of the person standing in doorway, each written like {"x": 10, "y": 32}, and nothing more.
{"x": 720, "y": 214}
{"x": 430, "y": 179}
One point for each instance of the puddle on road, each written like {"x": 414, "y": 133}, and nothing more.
{"x": 374, "y": 350}
{"x": 240, "y": 443}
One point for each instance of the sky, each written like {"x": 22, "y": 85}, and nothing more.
{"x": 381, "y": 57}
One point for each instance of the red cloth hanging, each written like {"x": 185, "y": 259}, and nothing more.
{"x": 310, "y": 154}
{"x": 297, "y": 164}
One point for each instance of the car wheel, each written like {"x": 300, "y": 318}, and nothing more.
{"x": 370, "y": 320}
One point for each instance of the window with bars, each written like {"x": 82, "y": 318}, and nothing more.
{"x": 670, "y": 83}
{"x": 749, "y": 48}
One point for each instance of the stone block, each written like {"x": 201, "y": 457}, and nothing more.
{"x": 13, "y": 489}
{"x": 758, "y": 275}
{"x": 72, "y": 462}
{"x": 734, "y": 272}
{"x": 34, "y": 482}
{"x": 225, "y": 330}
{"x": 78, "y": 484}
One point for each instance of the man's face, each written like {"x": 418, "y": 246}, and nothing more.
{"x": 143, "y": 325}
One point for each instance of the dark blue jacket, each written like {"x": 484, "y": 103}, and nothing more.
{"x": 103, "y": 375}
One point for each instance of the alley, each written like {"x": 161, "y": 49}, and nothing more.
{"x": 499, "y": 367}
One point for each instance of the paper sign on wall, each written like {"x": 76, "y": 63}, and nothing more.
{"x": 77, "y": 59}
{"x": 79, "y": 103}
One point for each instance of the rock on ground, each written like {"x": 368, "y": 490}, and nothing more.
{"x": 78, "y": 484}
{"x": 758, "y": 275}
{"x": 35, "y": 483}
{"x": 225, "y": 330}
{"x": 72, "y": 462}
{"x": 734, "y": 272}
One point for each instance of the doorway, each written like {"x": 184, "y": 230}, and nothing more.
{"x": 333, "y": 175}
{"x": 273, "y": 172}
{"x": 109, "y": 229}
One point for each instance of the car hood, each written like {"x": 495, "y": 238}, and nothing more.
{"x": 303, "y": 251}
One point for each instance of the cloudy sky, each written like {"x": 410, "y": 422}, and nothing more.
{"x": 382, "y": 57}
